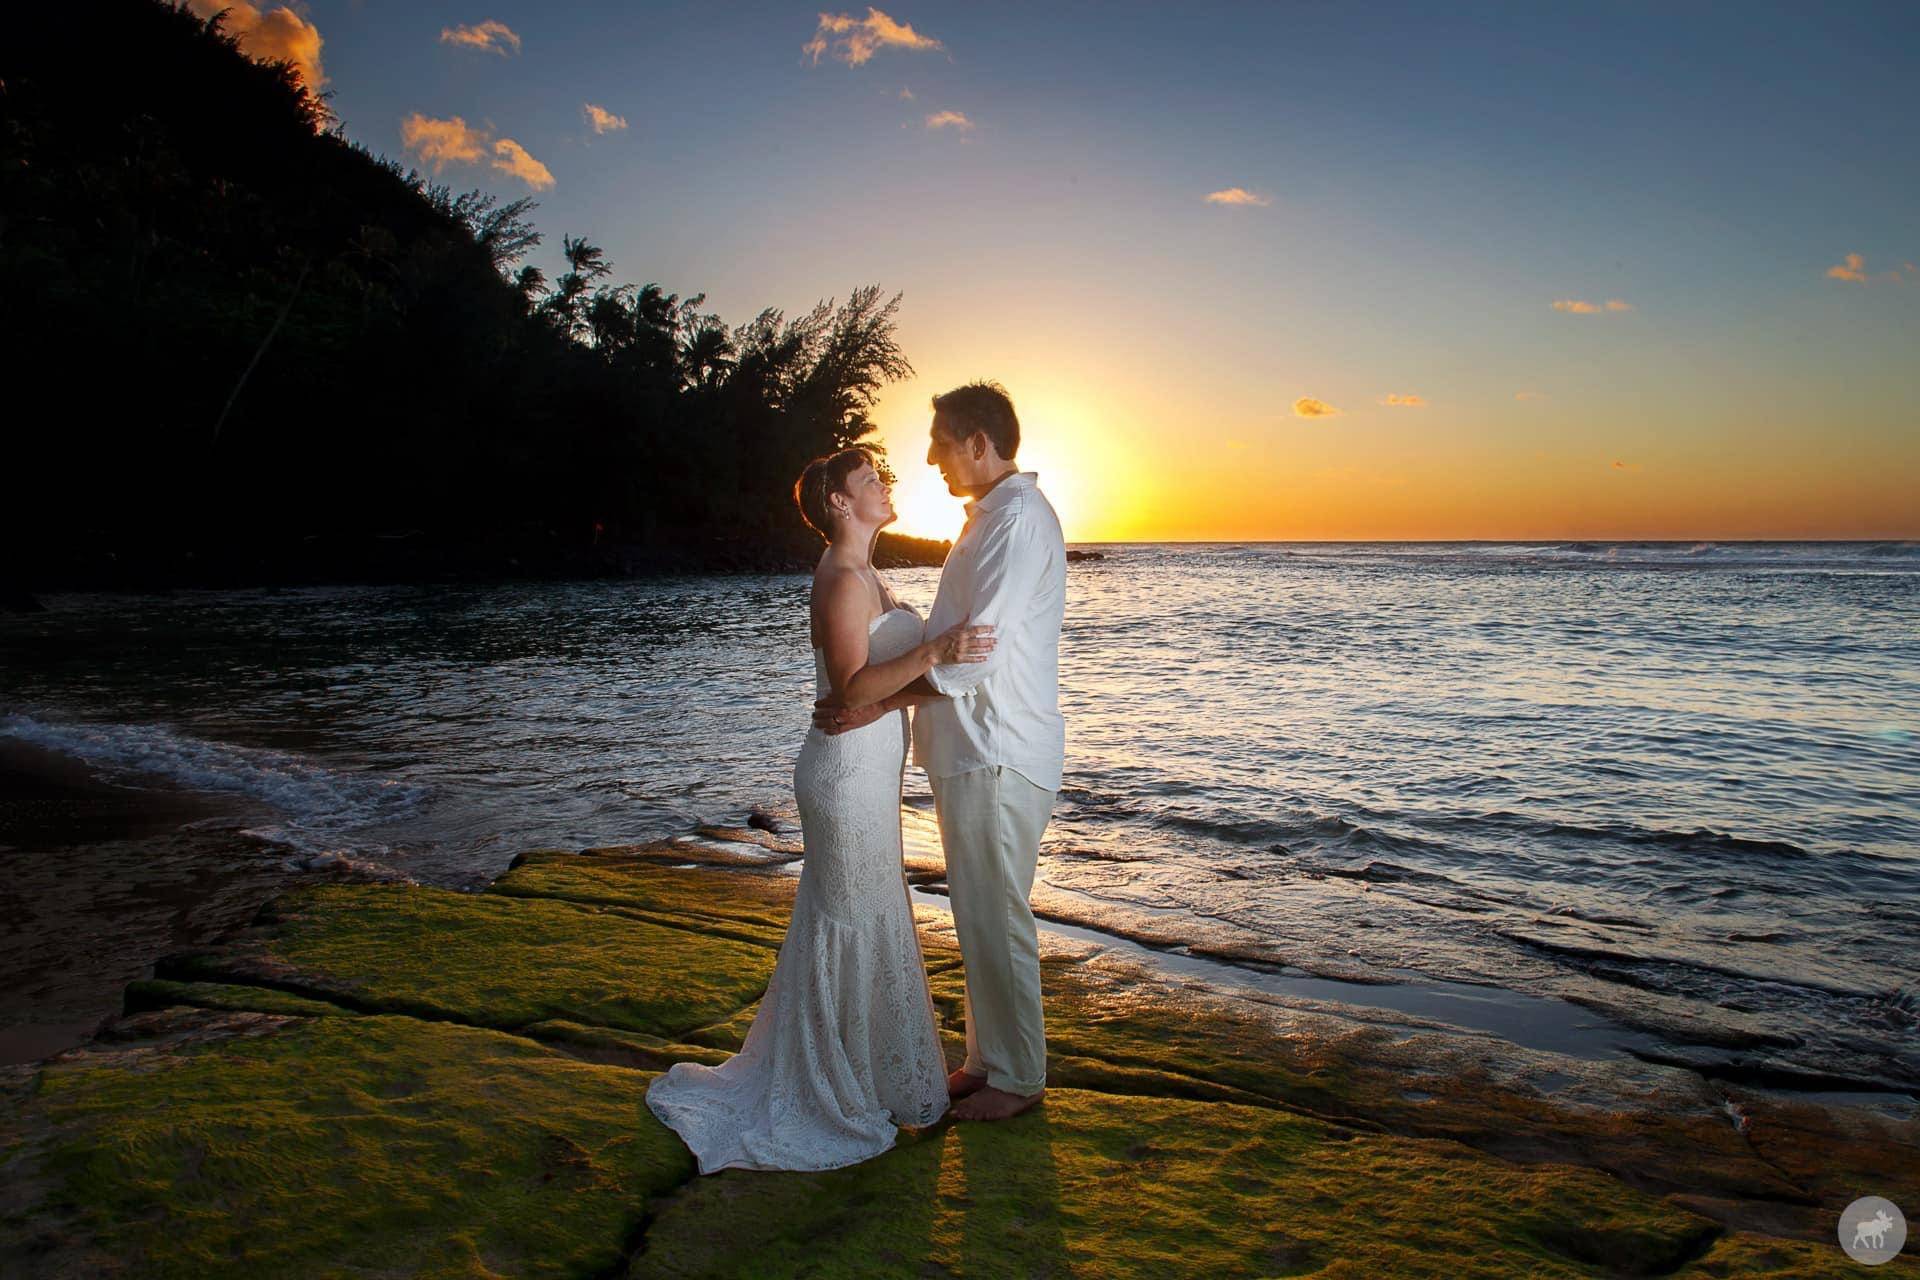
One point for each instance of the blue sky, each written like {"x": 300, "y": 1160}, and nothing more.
{"x": 1426, "y": 182}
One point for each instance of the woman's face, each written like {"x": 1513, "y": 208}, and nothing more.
{"x": 870, "y": 497}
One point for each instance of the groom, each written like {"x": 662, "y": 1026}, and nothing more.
{"x": 992, "y": 741}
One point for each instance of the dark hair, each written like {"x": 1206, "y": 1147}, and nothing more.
{"x": 823, "y": 477}
{"x": 985, "y": 407}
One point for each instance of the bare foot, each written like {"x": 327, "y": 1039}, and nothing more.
{"x": 961, "y": 1082}
{"x": 994, "y": 1104}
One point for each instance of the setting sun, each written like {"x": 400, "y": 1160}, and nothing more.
{"x": 1087, "y": 470}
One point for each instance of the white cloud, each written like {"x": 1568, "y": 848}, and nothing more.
{"x": 270, "y": 35}
{"x": 493, "y": 36}
{"x": 1238, "y": 195}
{"x": 439, "y": 143}
{"x": 854, "y": 40}
{"x": 601, "y": 120}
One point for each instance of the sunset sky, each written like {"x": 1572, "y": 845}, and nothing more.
{"x": 1267, "y": 271}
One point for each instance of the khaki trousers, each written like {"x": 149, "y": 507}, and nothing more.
{"x": 990, "y": 825}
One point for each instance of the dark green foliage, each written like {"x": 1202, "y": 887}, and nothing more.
{"x": 229, "y": 330}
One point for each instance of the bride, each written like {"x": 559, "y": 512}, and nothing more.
{"x": 844, "y": 1047}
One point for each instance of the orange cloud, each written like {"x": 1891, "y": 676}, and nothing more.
{"x": 510, "y": 157}
{"x": 854, "y": 40}
{"x": 1308, "y": 407}
{"x": 949, "y": 120}
{"x": 1581, "y": 307}
{"x": 1529, "y": 395}
{"x": 439, "y": 143}
{"x": 602, "y": 120}
{"x": 1625, "y": 466}
{"x": 493, "y": 36}
{"x": 1238, "y": 195}
{"x": 1852, "y": 268}
{"x": 906, "y": 94}
{"x": 273, "y": 35}
{"x": 1404, "y": 402}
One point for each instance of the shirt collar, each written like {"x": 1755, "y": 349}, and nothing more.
{"x": 1001, "y": 494}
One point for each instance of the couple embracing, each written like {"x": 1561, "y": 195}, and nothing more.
{"x": 845, "y": 1046}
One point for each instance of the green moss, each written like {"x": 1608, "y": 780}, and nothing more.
{"x": 1755, "y": 1257}
{"x": 160, "y": 993}
{"x": 752, "y": 907}
{"x": 1106, "y": 1032}
{"x": 729, "y": 1034}
{"x": 1089, "y": 1016}
{"x": 355, "y": 1145}
{"x": 634, "y": 1047}
{"x": 1182, "y": 1134}
{"x": 487, "y": 959}
{"x": 1094, "y": 1185}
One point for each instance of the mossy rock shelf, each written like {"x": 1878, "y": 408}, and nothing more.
{"x": 383, "y": 1080}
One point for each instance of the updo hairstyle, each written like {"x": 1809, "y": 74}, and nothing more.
{"x": 822, "y": 478}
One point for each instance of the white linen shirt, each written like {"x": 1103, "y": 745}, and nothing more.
{"x": 1007, "y": 570}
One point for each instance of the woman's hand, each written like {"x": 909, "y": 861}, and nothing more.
{"x": 830, "y": 718}
{"x": 962, "y": 643}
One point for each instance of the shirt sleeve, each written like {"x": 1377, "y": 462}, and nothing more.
{"x": 1008, "y": 566}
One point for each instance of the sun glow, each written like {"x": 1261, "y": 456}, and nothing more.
{"x": 1089, "y": 481}
{"x": 926, "y": 509}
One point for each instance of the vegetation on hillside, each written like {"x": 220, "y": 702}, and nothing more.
{"x": 236, "y": 337}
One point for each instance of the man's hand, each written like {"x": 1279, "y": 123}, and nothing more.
{"x": 831, "y": 718}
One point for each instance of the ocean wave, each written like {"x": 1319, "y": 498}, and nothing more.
{"x": 1700, "y": 840}
{"x": 313, "y": 799}
{"x": 1642, "y": 965}
{"x": 333, "y": 862}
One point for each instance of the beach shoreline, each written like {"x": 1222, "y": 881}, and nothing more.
{"x": 75, "y": 837}
{"x": 102, "y": 878}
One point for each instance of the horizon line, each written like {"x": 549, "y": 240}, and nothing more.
{"x": 1244, "y": 542}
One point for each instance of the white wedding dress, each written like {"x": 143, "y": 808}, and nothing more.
{"x": 845, "y": 1046}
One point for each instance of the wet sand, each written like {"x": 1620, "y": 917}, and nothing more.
{"x": 96, "y": 881}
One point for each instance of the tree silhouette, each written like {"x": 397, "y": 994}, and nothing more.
{"x": 376, "y": 349}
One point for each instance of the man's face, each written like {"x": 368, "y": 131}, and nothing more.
{"x": 955, "y": 460}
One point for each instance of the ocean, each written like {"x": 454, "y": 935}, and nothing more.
{"x": 1648, "y": 798}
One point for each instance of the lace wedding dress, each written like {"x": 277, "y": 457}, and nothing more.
{"x": 845, "y": 1046}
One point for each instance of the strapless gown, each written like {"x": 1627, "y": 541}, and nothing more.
{"x": 845, "y": 1046}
